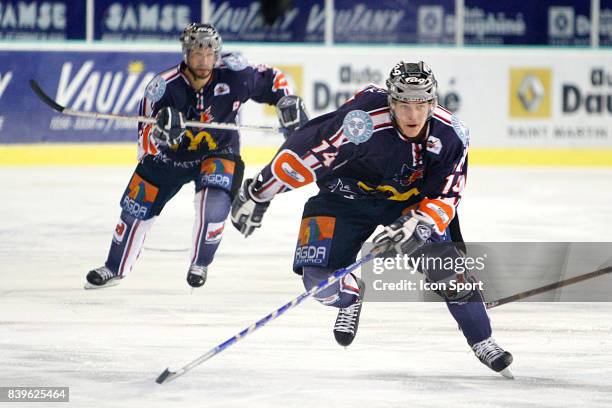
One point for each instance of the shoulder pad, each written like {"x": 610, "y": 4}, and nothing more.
{"x": 156, "y": 88}
{"x": 234, "y": 61}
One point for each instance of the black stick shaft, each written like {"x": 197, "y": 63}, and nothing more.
{"x": 549, "y": 287}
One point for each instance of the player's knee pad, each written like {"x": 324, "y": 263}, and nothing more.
{"x": 224, "y": 172}
{"x": 140, "y": 199}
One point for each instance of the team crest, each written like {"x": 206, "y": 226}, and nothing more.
{"x": 156, "y": 88}
{"x": 207, "y": 115}
{"x": 408, "y": 175}
{"x": 462, "y": 131}
{"x": 358, "y": 126}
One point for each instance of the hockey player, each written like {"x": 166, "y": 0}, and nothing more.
{"x": 206, "y": 86}
{"x": 390, "y": 157}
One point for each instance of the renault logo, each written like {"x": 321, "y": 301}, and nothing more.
{"x": 531, "y": 93}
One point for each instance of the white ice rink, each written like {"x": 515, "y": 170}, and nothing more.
{"x": 109, "y": 345}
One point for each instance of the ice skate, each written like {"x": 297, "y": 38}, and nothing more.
{"x": 196, "y": 276}
{"x": 494, "y": 357}
{"x": 347, "y": 322}
{"x": 101, "y": 277}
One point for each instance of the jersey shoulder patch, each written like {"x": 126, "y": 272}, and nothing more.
{"x": 463, "y": 133}
{"x": 358, "y": 126}
{"x": 234, "y": 61}
{"x": 156, "y": 88}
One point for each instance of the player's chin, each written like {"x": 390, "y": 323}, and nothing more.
{"x": 411, "y": 130}
{"x": 202, "y": 73}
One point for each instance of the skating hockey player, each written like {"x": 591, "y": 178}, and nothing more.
{"x": 207, "y": 86}
{"x": 390, "y": 157}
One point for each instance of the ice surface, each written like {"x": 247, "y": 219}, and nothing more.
{"x": 109, "y": 345}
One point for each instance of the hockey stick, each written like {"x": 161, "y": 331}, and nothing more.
{"x": 549, "y": 287}
{"x": 143, "y": 119}
{"x": 168, "y": 375}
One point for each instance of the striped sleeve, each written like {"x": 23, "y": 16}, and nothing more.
{"x": 447, "y": 170}
{"x": 150, "y": 104}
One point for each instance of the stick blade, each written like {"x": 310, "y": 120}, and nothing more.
{"x": 167, "y": 375}
{"x": 44, "y": 97}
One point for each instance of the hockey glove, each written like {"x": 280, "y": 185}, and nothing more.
{"x": 247, "y": 211}
{"x": 169, "y": 127}
{"x": 404, "y": 236}
{"x": 291, "y": 113}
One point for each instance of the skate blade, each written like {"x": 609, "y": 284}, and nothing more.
{"x": 507, "y": 373}
{"x": 111, "y": 282}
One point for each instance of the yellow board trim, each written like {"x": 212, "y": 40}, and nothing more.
{"x": 542, "y": 157}
{"x": 80, "y": 154}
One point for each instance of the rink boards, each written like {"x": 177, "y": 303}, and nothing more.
{"x": 522, "y": 106}
{"x": 125, "y": 153}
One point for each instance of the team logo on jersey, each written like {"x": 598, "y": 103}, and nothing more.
{"x": 462, "y": 131}
{"x": 156, "y": 88}
{"x": 314, "y": 241}
{"x": 408, "y": 175}
{"x": 433, "y": 145}
{"x": 530, "y": 92}
{"x": 139, "y": 197}
{"x": 207, "y": 115}
{"x": 221, "y": 89}
{"x": 214, "y": 232}
{"x": 358, "y": 126}
{"x": 235, "y": 61}
{"x": 217, "y": 172}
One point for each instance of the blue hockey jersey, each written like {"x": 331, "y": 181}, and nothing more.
{"x": 233, "y": 82}
{"x": 356, "y": 152}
